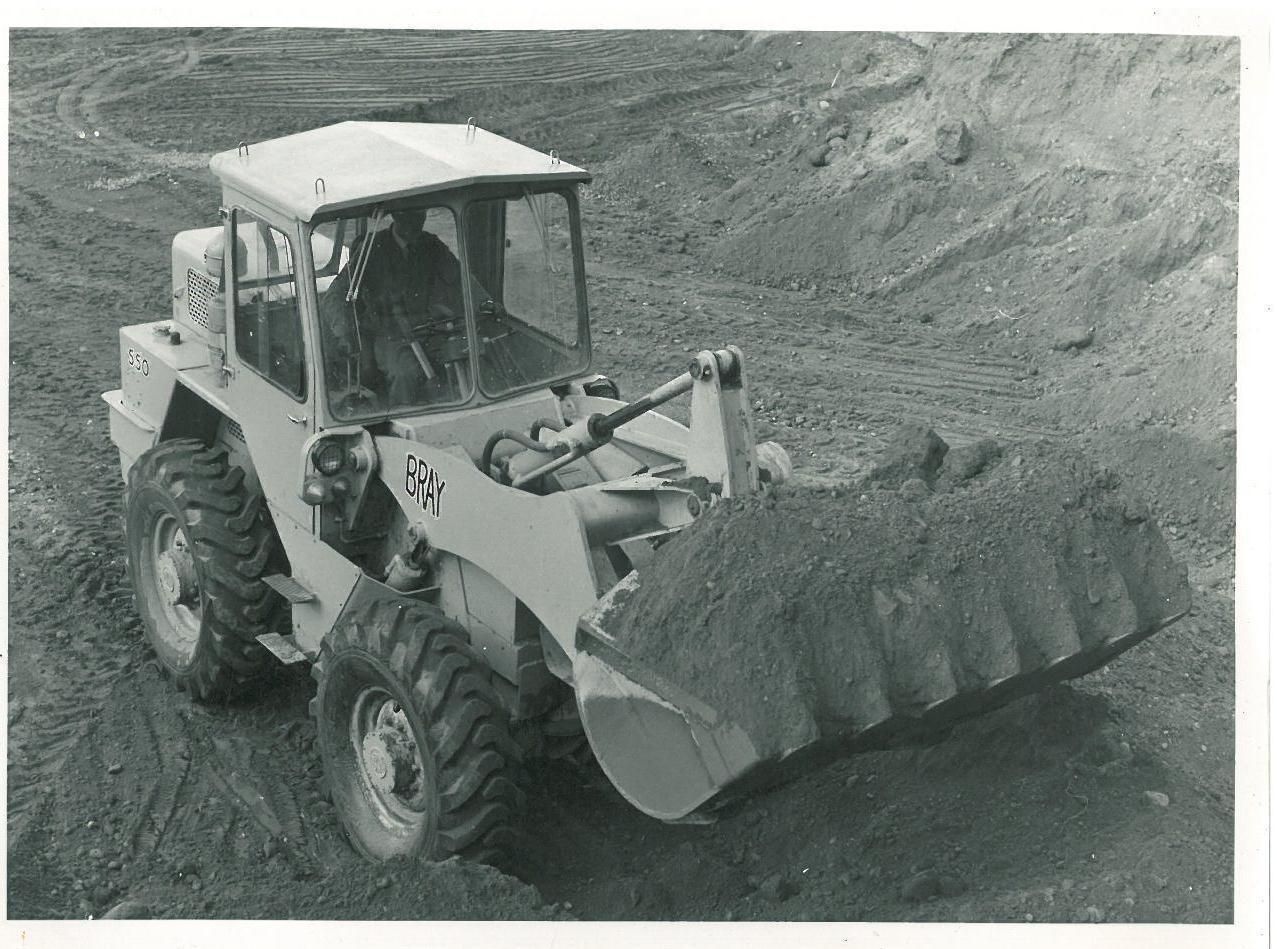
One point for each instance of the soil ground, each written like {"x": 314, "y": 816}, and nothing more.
{"x": 783, "y": 192}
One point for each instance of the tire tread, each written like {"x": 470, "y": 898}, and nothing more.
{"x": 233, "y": 546}
{"x": 476, "y": 761}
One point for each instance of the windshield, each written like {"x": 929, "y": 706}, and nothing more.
{"x": 532, "y": 330}
{"x": 391, "y": 311}
{"x": 392, "y": 303}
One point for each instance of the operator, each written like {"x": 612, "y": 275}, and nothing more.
{"x": 410, "y": 289}
{"x": 410, "y": 312}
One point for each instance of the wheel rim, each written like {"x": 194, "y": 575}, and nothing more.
{"x": 388, "y": 761}
{"x": 168, "y": 571}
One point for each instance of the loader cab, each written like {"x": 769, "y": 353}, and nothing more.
{"x": 447, "y": 299}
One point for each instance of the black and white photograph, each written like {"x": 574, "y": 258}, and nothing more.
{"x": 712, "y": 475}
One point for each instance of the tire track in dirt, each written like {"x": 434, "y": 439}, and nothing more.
{"x": 834, "y": 368}
{"x": 328, "y": 73}
{"x": 71, "y": 629}
{"x": 643, "y": 113}
{"x": 76, "y": 102}
{"x": 601, "y": 81}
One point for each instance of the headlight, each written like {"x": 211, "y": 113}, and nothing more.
{"x": 328, "y": 457}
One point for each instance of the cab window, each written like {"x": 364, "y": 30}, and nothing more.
{"x": 531, "y": 324}
{"x": 392, "y": 313}
{"x": 268, "y": 326}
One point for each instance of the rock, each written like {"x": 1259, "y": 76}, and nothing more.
{"x": 1092, "y": 914}
{"x": 783, "y": 64}
{"x": 817, "y": 156}
{"x": 129, "y": 909}
{"x": 1156, "y": 799}
{"x": 778, "y": 887}
{"x": 838, "y": 131}
{"x": 915, "y": 451}
{"x": 114, "y": 768}
{"x": 963, "y": 464}
{"x": 855, "y": 64}
{"x": 918, "y": 170}
{"x": 895, "y": 143}
{"x": 740, "y": 188}
{"x": 1073, "y": 337}
{"x": 953, "y": 141}
{"x": 1219, "y": 272}
{"x": 915, "y": 489}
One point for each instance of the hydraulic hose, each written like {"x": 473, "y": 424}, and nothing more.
{"x": 503, "y": 435}
{"x": 544, "y": 423}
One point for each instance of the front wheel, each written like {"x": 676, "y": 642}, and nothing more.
{"x": 199, "y": 545}
{"x": 416, "y": 748}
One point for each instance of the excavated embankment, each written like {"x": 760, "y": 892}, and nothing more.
{"x": 936, "y": 589}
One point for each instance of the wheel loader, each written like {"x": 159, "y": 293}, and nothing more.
{"x": 370, "y": 437}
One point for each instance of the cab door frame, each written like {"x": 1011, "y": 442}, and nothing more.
{"x": 276, "y": 423}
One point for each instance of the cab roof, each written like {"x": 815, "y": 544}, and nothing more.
{"x": 352, "y": 163}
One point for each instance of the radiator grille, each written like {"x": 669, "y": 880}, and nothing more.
{"x": 200, "y": 289}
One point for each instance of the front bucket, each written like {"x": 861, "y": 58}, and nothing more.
{"x": 919, "y": 666}
{"x": 665, "y": 762}
{"x": 666, "y": 751}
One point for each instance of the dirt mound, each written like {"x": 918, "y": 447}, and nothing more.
{"x": 812, "y": 614}
{"x": 673, "y": 166}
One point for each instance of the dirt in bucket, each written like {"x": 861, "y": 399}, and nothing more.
{"x": 931, "y": 585}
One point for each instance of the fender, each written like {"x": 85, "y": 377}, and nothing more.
{"x": 534, "y": 546}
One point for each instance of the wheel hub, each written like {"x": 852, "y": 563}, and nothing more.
{"x": 175, "y": 576}
{"x": 390, "y": 760}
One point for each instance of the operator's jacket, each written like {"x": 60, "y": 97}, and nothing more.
{"x": 406, "y": 290}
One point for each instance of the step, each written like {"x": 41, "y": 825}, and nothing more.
{"x": 288, "y": 588}
{"x": 283, "y": 648}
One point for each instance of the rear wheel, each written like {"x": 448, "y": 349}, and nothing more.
{"x": 416, "y": 747}
{"x": 199, "y": 543}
